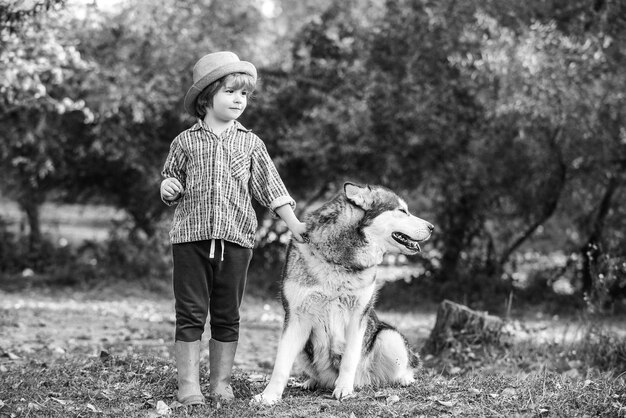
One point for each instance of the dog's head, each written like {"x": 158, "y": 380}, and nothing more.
{"x": 387, "y": 221}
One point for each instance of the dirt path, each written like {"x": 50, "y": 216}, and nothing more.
{"x": 42, "y": 326}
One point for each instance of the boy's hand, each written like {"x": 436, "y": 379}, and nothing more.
{"x": 298, "y": 231}
{"x": 171, "y": 189}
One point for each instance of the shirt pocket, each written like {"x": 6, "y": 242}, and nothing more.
{"x": 240, "y": 166}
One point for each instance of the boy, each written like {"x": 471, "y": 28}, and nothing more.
{"x": 212, "y": 172}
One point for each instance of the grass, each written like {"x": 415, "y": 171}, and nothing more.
{"x": 139, "y": 385}
{"x": 133, "y": 386}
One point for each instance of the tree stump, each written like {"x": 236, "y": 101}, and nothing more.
{"x": 460, "y": 324}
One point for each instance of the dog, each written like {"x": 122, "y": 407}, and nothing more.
{"x": 328, "y": 293}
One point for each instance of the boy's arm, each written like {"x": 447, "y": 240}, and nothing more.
{"x": 296, "y": 227}
{"x": 173, "y": 187}
{"x": 269, "y": 190}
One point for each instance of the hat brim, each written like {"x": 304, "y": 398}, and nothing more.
{"x": 233, "y": 67}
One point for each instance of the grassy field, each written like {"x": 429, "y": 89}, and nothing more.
{"x": 108, "y": 353}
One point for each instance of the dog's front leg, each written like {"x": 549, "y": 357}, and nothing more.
{"x": 355, "y": 332}
{"x": 292, "y": 341}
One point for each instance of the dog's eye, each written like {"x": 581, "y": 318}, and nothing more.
{"x": 406, "y": 212}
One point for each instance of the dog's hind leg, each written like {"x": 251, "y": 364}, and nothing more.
{"x": 294, "y": 337}
{"x": 391, "y": 359}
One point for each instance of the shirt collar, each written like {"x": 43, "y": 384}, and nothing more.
{"x": 201, "y": 125}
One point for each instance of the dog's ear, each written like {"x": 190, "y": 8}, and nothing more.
{"x": 358, "y": 195}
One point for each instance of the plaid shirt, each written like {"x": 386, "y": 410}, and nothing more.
{"x": 220, "y": 175}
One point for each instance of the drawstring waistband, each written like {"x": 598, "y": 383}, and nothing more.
{"x": 212, "y": 250}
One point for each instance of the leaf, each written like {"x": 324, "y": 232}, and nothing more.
{"x": 447, "y": 404}
{"x": 455, "y": 370}
{"x": 393, "y": 399}
{"x": 12, "y": 356}
{"x": 93, "y": 408}
{"x": 162, "y": 409}
{"x": 509, "y": 392}
{"x": 61, "y": 401}
{"x": 34, "y": 406}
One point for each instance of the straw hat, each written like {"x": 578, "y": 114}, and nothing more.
{"x": 211, "y": 68}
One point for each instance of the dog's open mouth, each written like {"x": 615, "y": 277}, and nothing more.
{"x": 404, "y": 239}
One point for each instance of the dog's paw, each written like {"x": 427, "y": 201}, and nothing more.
{"x": 343, "y": 392}
{"x": 406, "y": 380}
{"x": 265, "y": 399}
{"x": 310, "y": 384}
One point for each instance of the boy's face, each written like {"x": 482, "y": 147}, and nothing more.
{"x": 228, "y": 103}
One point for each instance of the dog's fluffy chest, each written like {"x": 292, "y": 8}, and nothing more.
{"x": 326, "y": 290}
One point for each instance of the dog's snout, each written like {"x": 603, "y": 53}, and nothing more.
{"x": 431, "y": 227}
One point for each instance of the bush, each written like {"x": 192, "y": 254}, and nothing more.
{"x": 127, "y": 254}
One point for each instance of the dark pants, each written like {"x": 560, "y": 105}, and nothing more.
{"x": 209, "y": 285}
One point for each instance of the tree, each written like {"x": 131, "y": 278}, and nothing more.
{"x": 39, "y": 111}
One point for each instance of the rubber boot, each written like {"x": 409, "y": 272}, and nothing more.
{"x": 188, "y": 366}
{"x": 221, "y": 358}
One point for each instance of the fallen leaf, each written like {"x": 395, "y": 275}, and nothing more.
{"x": 455, "y": 370}
{"x": 2, "y": 404}
{"x": 510, "y": 392}
{"x": 162, "y": 408}
{"x": 34, "y": 406}
{"x": 393, "y": 399}
{"x": 447, "y": 404}
{"x": 61, "y": 401}
{"x": 380, "y": 394}
{"x": 12, "y": 356}
{"x": 256, "y": 378}
{"x": 93, "y": 408}
{"x": 176, "y": 405}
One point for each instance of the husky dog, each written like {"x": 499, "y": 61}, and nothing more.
{"x": 328, "y": 292}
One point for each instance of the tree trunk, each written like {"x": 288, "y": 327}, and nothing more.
{"x": 458, "y": 323}
{"x": 591, "y": 250}
{"x": 31, "y": 208}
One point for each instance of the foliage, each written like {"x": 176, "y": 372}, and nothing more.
{"x": 39, "y": 112}
{"x": 500, "y": 122}
{"x": 13, "y": 14}
{"x": 126, "y": 255}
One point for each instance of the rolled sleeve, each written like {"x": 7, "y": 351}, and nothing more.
{"x": 282, "y": 201}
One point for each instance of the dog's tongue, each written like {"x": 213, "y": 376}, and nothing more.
{"x": 406, "y": 241}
